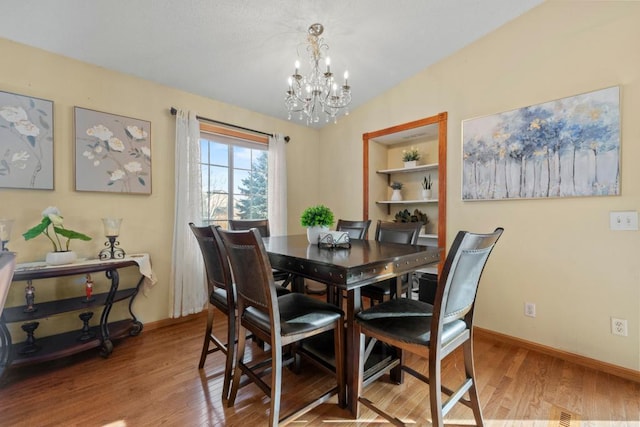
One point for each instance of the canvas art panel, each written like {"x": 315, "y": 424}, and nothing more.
{"x": 26, "y": 142}
{"x": 569, "y": 147}
{"x": 113, "y": 153}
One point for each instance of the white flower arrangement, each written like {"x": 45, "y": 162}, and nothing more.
{"x": 51, "y": 217}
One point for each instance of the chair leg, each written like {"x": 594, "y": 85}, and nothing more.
{"x": 237, "y": 373}
{"x": 474, "y": 401}
{"x": 339, "y": 341}
{"x": 207, "y": 339}
{"x": 359, "y": 371}
{"x": 228, "y": 367}
{"x": 435, "y": 388}
{"x": 276, "y": 382}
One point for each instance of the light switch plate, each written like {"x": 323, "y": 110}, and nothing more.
{"x": 623, "y": 220}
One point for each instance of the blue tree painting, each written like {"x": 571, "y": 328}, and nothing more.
{"x": 563, "y": 148}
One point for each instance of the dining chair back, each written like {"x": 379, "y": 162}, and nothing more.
{"x": 246, "y": 224}
{"x": 221, "y": 296}
{"x": 262, "y": 225}
{"x": 393, "y": 232}
{"x": 435, "y": 331}
{"x": 356, "y": 229}
{"x": 398, "y": 232}
{"x": 279, "y": 321}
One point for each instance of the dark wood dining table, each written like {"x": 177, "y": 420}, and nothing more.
{"x": 348, "y": 269}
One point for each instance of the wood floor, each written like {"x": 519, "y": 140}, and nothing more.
{"x": 153, "y": 380}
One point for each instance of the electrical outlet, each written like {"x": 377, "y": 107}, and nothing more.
{"x": 619, "y": 327}
{"x": 529, "y": 309}
{"x": 623, "y": 220}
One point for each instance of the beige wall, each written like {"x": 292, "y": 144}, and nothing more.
{"x": 559, "y": 254}
{"x": 148, "y": 220}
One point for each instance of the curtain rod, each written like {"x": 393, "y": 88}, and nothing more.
{"x": 174, "y": 111}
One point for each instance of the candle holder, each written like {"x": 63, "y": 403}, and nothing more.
{"x": 86, "y": 333}
{"x": 111, "y": 232}
{"x": 30, "y": 345}
{"x": 5, "y": 233}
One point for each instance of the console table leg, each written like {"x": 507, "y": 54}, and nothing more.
{"x": 136, "y": 326}
{"x": 104, "y": 319}
{"x": 107, "y": 348}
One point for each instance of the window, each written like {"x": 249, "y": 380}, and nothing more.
{"x": 234, "y": 178}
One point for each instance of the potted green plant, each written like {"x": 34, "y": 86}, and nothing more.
{"x": 396, "y": 194}
{"x": 410, "y": 157}
{"x": 61, "y": 253}
{"x": 317, "y": 219}
{"x": 426, "y": 188}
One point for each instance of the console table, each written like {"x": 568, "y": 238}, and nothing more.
{"x": 84, "y": 303}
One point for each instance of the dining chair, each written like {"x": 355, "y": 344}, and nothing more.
{"x": 219, "y": 283}
{"x": 279, "y": 321}
{"x": 434, "y": 331}
{"x": 262, "y": 225}
{"x": 405, "y": 233}
{"x": 221, "y": 297}
{"x": 7, "y": 267}
{"x": 246, "y": 224}
{"x": 356, "y": 229}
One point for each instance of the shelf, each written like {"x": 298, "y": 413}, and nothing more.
{"x": 66, "y": 344}
{"x": 40, "y": 270}
{"x": 408, "y": 170}
{"x": 50, "y": 308}
{"x": 406, "y": 202}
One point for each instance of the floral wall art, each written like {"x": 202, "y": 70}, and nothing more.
{"x": 564, "y": 148}
{"x": 26, "y": 142}
{"x": 113, "y": 153}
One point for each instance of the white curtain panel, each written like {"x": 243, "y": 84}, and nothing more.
{"x": 277, "y": 191}
{"x": 188, "y": 284}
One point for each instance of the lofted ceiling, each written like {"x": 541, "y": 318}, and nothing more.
{"x": 241, "y": 52}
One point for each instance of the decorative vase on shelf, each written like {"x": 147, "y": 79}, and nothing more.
{"x": 396, "y": 195}
{"x": 411, "y": 164}
{"x": 61, "y": 258}
{"x": 427, "y": 194}
{"x": 314, "y": 231}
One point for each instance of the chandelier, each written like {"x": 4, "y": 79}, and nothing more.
{"x": 317, "y": 93}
